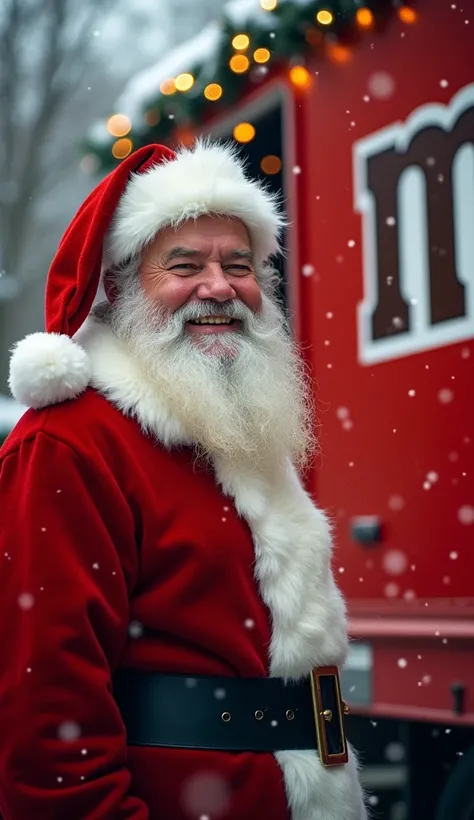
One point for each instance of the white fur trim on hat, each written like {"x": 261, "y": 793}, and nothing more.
{"x": 208, "y": 179}
{"x": 47, "y": 368}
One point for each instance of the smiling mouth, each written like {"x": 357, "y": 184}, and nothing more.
{"x": 212, "y": 320}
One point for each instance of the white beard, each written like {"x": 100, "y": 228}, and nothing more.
{"x": 242, "y": 396}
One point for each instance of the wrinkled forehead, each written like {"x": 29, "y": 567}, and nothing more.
{"x": 204, "y": 233}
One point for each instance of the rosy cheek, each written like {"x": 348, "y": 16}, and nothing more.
{"x": 248, "y": 290}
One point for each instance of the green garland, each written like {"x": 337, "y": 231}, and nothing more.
{"x": 166, "y": 116}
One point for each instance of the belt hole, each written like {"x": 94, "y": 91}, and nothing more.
{"x": 289, "y": 714}
{"x": 226, "y": 716}
{"x": 259, "y": 714}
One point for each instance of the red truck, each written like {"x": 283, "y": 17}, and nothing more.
{"x": 377, "y": 151}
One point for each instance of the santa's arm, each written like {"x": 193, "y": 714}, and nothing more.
{"x": 67, "y": 564}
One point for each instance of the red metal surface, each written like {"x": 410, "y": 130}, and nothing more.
{"x": 394, "y": 439}
{"x": 378, "y": 442}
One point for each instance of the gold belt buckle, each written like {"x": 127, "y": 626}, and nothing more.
{"x": 329, "y": 710}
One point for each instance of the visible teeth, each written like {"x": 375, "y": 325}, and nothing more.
{"x": 212, "y": 320}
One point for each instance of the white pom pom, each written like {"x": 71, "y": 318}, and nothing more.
{"x": 47, "y": 368}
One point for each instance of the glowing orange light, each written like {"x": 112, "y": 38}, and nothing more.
{"x": 407, "y": 14}
{"x": 240, "y": 42}
{"x": 261, "y": 55}
{"x": 300, "y": 76}
{"x": 119, "y": 125}
{"x": 122, "y": 148}
{"x": 365, "y": 18}
{"x": 339, "y": 54}
{"x": 271, "y": 164}
{"x": 168, "y": 86}
{"x": 269, "y": 5}
{"x": 213, "y": 92}
{"x": 239, "y": 63}
{"x": 324, "y": 17}
{"x": 244, "y": 132}
{"x": 184, "y": 82}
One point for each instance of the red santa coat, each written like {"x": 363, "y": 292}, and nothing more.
{"x": 106, "y": 522}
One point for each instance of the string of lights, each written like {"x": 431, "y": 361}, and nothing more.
{"x": 288, "y": 39}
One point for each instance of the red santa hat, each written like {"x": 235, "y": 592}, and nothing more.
{"x": 152, "y": 189}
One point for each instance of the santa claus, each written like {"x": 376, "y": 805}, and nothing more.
{"x": 171, "y": 631}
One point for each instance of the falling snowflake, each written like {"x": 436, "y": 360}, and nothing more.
{"x": 190, "y": 683}
{"x": 83, "y": 751}
{"x": 329, "y": 315}
{"x": 445, "y": 396}
{"x": 26, "y": 600}
{"x": 465, "y": 353}
{"x": 28, "y": 669}
{"x": 307, "y": 270}
{"x": 296, "y": 169}
{"x": 69, "y": 731}
{"x": 342, "y": 413}
{"x": 59, "y": 491}
{"x": 226, "y": 509}
{"x": 426, "y": 680}
{"x": 59, "y": 779}
{"x": 412, "y": 393}
{"x": 466, "y": 514}
{"x": 390, "y": 220}
{"x": 274, "y": 723}
{"x": 440, "y": 177}
{"x": 402, "y": 663}
{"x": 397, "y": 322}
{"x": 135, "y": 629}
{"x": 206, "y": 794}
{"x": 223, "y": 520}
{"x": 347, "y": 424}
{"x": 249, "y": 623}
{"x": 95, "y": 566}
{"x": 443, "y": 83}
{"x": 391, "y": 590}
{"x": 351, "y": 243}
{"x": 389, "y": 280}
{"x": 427, "y": 485}
{"x": 219, "y": 694}
{"x": 432, "y": 476}
{"x": 396, "y": 502}
{"x": 366, "y": 98}
{"x": 453, "y": 555}
{"x": 395, "y": 562}
{"x": 341, "y": 570}
{"x": 430, "y": 161}
{"x": 381, "y": 85}
{"x": 409, "y": 595}
{"x": 395, "y": 752}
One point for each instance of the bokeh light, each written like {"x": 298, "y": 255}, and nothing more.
{"x": 122, "y": 148}
{"x": 271, "y": 164}
{"x": 213, "y": 92}
{"x": 240, "y": 42}
{"x": 261, "y": 55}
{"x": 119, "y": 125}
{"x": 184, "y": 82}
{"x": 239, "y": 63}
{"x": 244, "y": 132}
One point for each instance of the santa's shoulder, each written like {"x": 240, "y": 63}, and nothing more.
{"x": 86, "y": 424}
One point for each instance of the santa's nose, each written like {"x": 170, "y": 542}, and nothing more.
{"x": 214, "y": 284}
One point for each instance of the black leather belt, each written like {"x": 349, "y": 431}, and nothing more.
{"x": 234, "y": 714}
